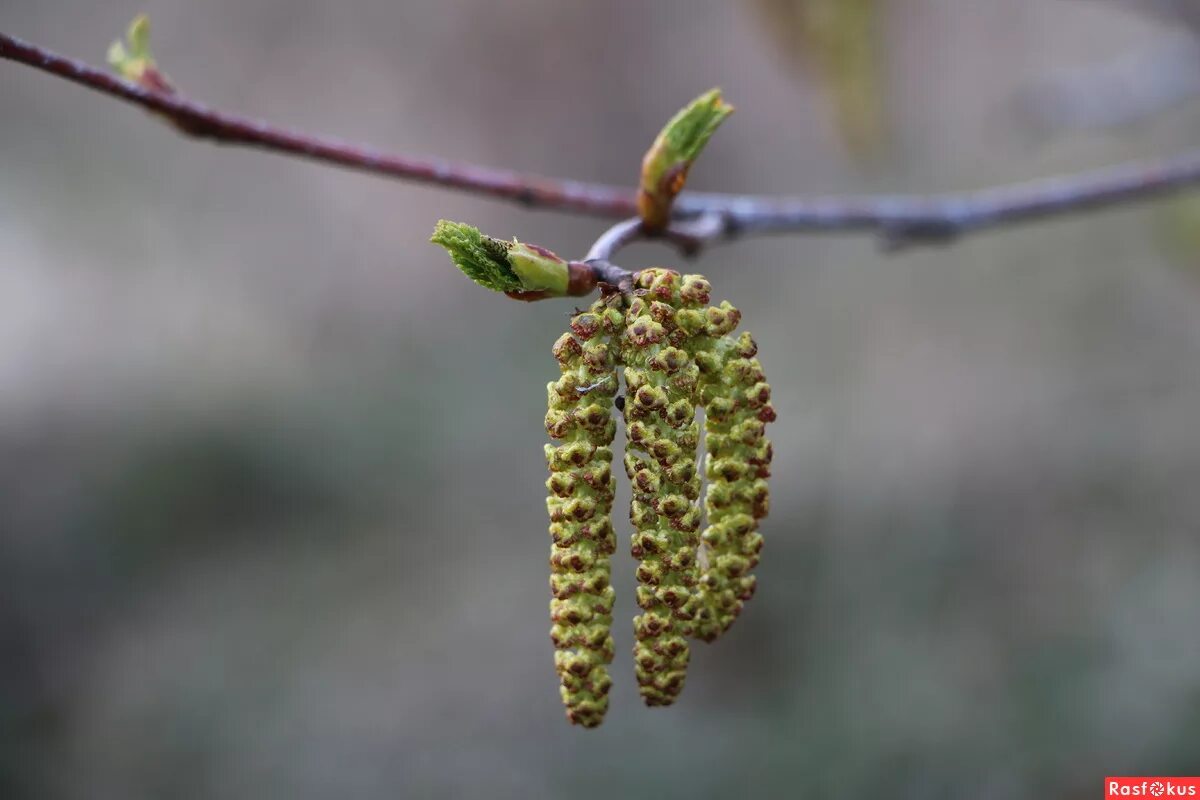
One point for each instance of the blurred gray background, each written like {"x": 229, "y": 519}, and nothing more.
{"x": 271, "y": 506}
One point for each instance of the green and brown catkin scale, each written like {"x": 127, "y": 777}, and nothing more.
{"x": 660, "y": 418}
{"x": 737, "y": 405}
{"x": 581, "y": 488}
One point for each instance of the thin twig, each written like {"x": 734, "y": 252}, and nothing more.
{"x": 914, "y": 219}
{"x": 624, "y": 232}
{"x": 688, "y": 236}
{"x": 610, "y": 275}
{"x": 198, "y": 120}
{"x": 900, "y": 219}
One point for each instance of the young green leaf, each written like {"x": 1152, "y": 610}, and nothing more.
{"x": 481, "y": 258}
{"x": 501, "y": 266}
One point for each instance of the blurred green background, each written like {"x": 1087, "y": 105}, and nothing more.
{"x": 271, "y": 506}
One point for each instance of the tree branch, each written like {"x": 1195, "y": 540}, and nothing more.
{"x": 196, "y": 119}
{"x": 688, "y": 236}
{"x": 913, "y": 219}
{"x": 899, "y": 219}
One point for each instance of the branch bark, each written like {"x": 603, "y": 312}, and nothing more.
{"x": 899, "y": 219}
{"x": 198, "y": 120}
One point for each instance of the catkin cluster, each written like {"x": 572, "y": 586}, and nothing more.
{"x": 678, "y": 355}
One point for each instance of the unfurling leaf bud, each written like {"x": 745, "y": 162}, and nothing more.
{"x": 515, "y": 267}
{"x": 666, "y": 164}
{"x": 133, "y": 61}
{"x": 581, "y": 487}
{"x": 481, "y": 258}
{"x": 660, "y": 461}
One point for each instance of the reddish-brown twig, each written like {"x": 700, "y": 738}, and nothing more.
{"x": 899, "y": 219}
{"x": 199, "y": 120}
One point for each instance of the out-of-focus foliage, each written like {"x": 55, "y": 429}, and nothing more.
{"x": 1183, "y": 11}
{"x": 840, "y": 42}
{"x": 1179, "y": 226}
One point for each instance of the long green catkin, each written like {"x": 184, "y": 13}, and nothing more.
{"x": 737, "y": 405}
{"x": 660, "y": 459}
{"x": 581, "y": 488}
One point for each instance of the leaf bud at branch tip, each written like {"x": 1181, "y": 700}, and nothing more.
{"x": 521, "y": 270}
{"x": 133, "y": 61}
{"x": 666, "y": 164}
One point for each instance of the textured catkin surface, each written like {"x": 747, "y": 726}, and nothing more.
{"x": 660, "y": 418}
{"x": 737, "y": 405}
{"x": 581, "y": 488}
{"x": 678, "y": 353}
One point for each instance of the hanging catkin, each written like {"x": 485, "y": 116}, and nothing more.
{"x": 737, "y": 405}
{"x": 581, "y": 488}
{"x": 660, "y": 460}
